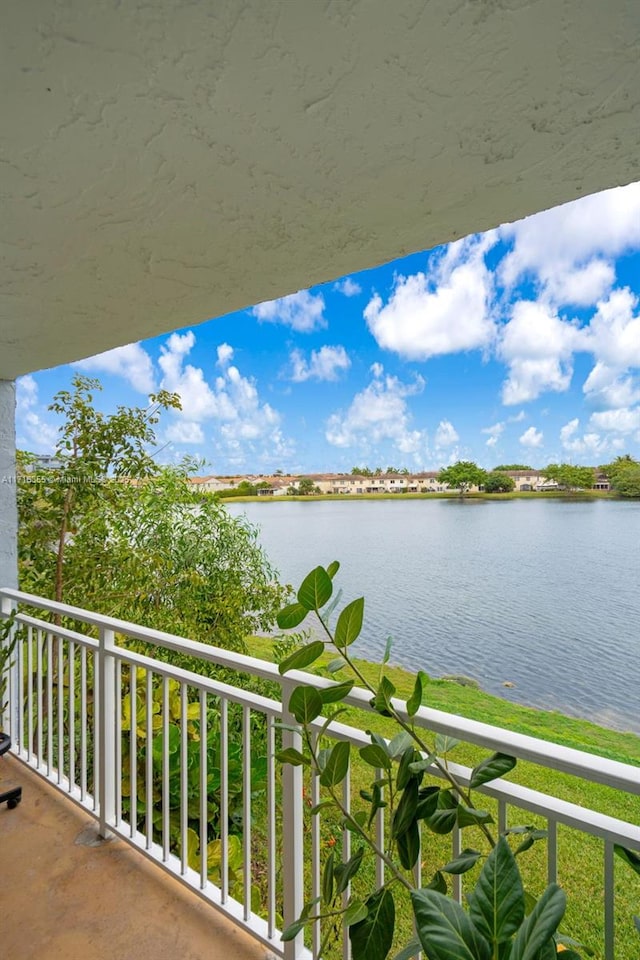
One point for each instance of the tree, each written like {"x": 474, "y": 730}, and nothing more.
{"x": 361, "y": 472}
{"x": 569, "y": 477}
{"x": 306, "y": 487}
{"x": 624, "y": 475}
{"x": 496, "y": 482}
{"x": 92, "y": 447}
{"x": 513, "y": 466}
{"x": 462, "y": 476}
{"x": 154, "y": 550}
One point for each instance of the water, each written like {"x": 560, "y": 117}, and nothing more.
{"x": 543, "y": 594}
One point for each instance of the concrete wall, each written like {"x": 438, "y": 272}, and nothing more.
{"x": 8, "y": 509}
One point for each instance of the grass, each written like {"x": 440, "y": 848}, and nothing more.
{"x": 580, "y": 856}
{"x": 515, "y": 495}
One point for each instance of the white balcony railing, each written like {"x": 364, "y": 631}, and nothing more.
{"x": 85, "y": 703}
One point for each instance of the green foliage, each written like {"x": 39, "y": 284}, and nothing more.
{"x": 303, "y": 487}
{"x": 8, "y": 642}
{"x": 462, "y": 476}
{"x": 569, "y": 477}
{"x": 497, "y": 482}
{"x": 513, "y": 466}
{"x": 624, "y": 475}
{"x": 142, "y": 544}
{"x": 495, "y": 924}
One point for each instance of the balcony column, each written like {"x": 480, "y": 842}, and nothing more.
{"x": 8, "y": 521}
{"x": 8, "y": 507}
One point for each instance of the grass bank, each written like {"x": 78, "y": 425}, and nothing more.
{"x": 580, "y": 857}
{"x": 525, "y": 495}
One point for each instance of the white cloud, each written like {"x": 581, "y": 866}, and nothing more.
{"x": 624, "y": 420}
{"x": 494, "y": 432}
{"x": 569, "y": 249}
{"x": 538, "y": 348}
{"x": 377, "y": 413}
{"x": 590, "y": 445}
{"x": 376, "y": 369}
{"x": 185, "y": 431}
{"x": 131, "y": 362}
{"x": 327, "y": 363}
{"x": 26, "y": 394}
{"x": 445, "y": 435}
{"x": 199, "y": 402}
{"x": 33, "y": 431}
{"x": 348, "y": 287}
{"x": 301, "y": 311}
{"x": 225, "y": 354}
{"x": 517, "y": 418}
{"x": 443, "y": 312}
{"x": 532, "y": 438}
{"x": 247, "y": 429}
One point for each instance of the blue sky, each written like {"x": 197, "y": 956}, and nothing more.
{"x": 518, "y": 345}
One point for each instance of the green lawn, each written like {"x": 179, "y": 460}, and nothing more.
{"x": 580, "y": 857}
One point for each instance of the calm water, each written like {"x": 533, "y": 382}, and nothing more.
{"x": 544, "y": 594}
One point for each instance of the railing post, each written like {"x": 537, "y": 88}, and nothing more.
{"x": 292, "y": 831}
{"x": 106, "y": 732}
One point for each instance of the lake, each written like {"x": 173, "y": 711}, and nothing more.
{"x": 544, "y": 594}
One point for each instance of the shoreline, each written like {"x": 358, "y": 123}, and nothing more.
{"x": 516, "y": 495}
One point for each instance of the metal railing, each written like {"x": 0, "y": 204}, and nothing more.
{"x": 178, "y": 759}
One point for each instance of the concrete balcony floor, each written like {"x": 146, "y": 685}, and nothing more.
{"x": 63, "y": 899}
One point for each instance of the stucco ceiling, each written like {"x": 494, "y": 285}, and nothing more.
{"x": 166, "y": 162}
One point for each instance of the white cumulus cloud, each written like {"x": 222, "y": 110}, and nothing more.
{"x": 445, "y": 311}
{"x": 532, "y": 438}
{"x": 495, "y": 432}
{"x": 377, "y": 413}
{"x": 538, "y": 348}
{"x": 302, "y": 311}
{"x": 445, "y": 435}
{"x": 568, "y": 250}
{"x": 348, "y": 287}
{"x": 327, "y": 363}
{"x": 131, "y": 362}
{"x": 625, "y": 420}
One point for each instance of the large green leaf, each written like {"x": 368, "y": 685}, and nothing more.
{"x": 406, "y": 771}
{"x": 494, "y": 766}
{"x": 292, "y": 756}
{"x": 337, "y": 765}
{"x": 629, "y": 857}
{"x": 381, "y": 702}
{"x": 444, "y": 817}
{"x": 303, "y": 657}
{"x": 305, "y": 704}
{"x": 415, "y": 700}
{"x": 291, "y": 616}
{"x": 497, "y": 903}
{"x": 355, "y": 912}
{"x": 411, "y": 950}
{"x": 376, "y": 756}
{"x": 463, "y": 862}
{"x": 409, "y": 846}
{"x": 445, "y": 929}
{"x": 540, "y": 925}
{"x": 344, "y": 872}
{"x": 316, "y": 589}
{"x": 337, "y": 692}
{"x": 349, "y": 623}
{"x": 333, "y": 568}
{"x": 406, "y": 811}
{"x": 372, "y": 937}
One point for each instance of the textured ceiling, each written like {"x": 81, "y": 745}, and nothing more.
{"x": 165, "y": 162}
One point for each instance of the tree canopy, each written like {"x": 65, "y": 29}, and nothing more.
{"x": 497, "y": 482}
{"x": 113, "y": 531}
{"x": 462, "y": 476}
{"x": 624, "y": 475}
{"x": 570, "y": 477}
{"x": 513, "y": 466}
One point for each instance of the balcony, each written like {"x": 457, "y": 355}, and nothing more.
{"x": 177, "y": 762}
